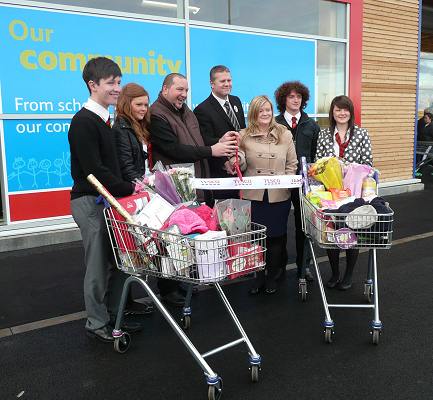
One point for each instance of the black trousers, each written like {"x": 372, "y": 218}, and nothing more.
{"x": 276, "y": 258}
{"x": 334, "y": 260}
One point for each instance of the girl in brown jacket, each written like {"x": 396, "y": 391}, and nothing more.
{"x": 267, "y": 148}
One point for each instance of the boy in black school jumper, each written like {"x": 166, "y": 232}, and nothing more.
{"x": 93, "y": 151}
{"x": 291, "y": 98}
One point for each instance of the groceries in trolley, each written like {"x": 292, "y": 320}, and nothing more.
{"x": 169, "y": 237}
{"x": 341, "y": 205}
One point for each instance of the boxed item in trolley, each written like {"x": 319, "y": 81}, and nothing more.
{"x": 211, "y": 256}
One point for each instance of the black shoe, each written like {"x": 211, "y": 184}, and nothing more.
{"x": 309, "y": 276}
{"x": 270, "y": 290}
{"x": 333, "y": 282}
{"x": 344, "y": 285}
{"x": 174, "y": 299}
{"x": 136, "y": 308}
{"x": 131, "y": 326}
{"x": 103, "y": 334}
{"x": 128, "y": 325}
{"x": 254, "y": 291}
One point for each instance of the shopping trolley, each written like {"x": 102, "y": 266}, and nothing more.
{"x": 424, "y": 155}
{"x": 329, "y": 230}
{"x": 141, "y": 251}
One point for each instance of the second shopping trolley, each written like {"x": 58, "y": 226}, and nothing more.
{"x": 333, "y": 230}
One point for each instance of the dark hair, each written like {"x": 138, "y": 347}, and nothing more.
{"x": 168, "y": 80}
{"x": 123, "y": 110}
{"x": 216, "y": 69}
{"x": 285, "y": 89}
{"x": 429, "y": 114}
{"x": 345, "y": 103}
{"x": 100, "y": 68}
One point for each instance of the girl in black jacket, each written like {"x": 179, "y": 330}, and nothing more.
{"x": 132, "y": 131}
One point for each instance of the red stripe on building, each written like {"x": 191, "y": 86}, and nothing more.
{"x": 355, "y": 52}
{"x": 39, "y": 205}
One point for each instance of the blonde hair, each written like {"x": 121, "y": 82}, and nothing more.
{"x": 123, "y": 110}
{"x": 253, "y": 116}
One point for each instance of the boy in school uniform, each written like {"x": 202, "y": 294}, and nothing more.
{"x": 92, "y": 146}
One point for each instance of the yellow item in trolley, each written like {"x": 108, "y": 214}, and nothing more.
{"x": 328, "y": 171}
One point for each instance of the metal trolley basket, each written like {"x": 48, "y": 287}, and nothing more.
{"x": 329, "y": 231}
{"x": 140, "y": 252}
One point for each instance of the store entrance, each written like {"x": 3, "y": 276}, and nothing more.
{"x": 2, "y": 191}
{"x": 424, "y": 148}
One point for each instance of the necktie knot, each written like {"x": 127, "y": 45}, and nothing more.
{"x": 294, "y": 122}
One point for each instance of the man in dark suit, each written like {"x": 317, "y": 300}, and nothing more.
{"x": 221, "y": 117}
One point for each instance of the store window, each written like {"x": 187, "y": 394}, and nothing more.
{"x": 330, "y": 73}
{"x": 161, "y": 8}
{"x": 314, "y": 17}
{"x": 2, "y": 213}
{"x": 425, "y": 94}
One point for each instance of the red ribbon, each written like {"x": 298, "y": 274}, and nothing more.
{"x": 238, "y": 170}
{"x": 236, "y": 165}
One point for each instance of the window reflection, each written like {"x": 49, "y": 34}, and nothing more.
{"x": 330, "y": 73}
{"x": 315, "y": 17}
{"x": 425, "y": 94}
{"x": 161, "y": 8}
{"x": 323, "y": 122}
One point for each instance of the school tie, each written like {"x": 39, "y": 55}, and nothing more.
{"x": 232, "y": 116}
{"x": 108, "y": 122}
{"x": 294, "y": 123}
{"x": 341, "y": 146}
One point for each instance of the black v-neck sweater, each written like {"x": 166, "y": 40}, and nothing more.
{"x": 93, "y": 151}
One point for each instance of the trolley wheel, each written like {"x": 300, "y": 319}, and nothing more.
{"x": 214, "y": 392}
{"x": 375, "y": 336}
{"x": 121, "y": 345}
{"x": 303, "y": 291}
{"x": 368, "y": 292}
{"x": 328, "y": 335}
{"x": 255, "y": 371}
{"x": 186, "y": 322}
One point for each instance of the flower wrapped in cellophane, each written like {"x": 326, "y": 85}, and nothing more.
{"x": 182, "y": 175}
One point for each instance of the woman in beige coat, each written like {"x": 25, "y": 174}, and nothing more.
{"x": 266, "y": 148}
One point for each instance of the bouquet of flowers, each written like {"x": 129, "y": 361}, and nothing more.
{"x": 146, "y": 183}
{"x": 181, "y": 175}
{"x": 173, "y": 183}
{"x": 328, "y": 171}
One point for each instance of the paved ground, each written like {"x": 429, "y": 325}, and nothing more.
{"x": 59, "y": 362}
